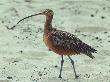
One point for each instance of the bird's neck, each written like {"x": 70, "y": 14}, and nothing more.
{"x": 48, "y": 24}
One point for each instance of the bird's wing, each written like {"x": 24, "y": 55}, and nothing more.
{"x": 69, "y": 41}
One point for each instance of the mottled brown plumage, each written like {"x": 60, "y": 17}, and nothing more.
{"x": 62, "y": 42}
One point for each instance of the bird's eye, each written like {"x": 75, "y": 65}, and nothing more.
{"x": 46, "y": 10}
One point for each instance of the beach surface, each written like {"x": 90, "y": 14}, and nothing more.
{"x": 24, "y": 56}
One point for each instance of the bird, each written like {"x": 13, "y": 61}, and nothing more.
{"x": 61, "y": 42}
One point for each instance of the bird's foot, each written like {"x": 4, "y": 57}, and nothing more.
{"x": 76, "y": 76}
{"x": 59, "y": 76}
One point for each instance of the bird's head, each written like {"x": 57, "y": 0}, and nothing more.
{"x": 46, "y": 12}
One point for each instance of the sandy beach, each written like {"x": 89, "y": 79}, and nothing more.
{"x": 24, "y": 56}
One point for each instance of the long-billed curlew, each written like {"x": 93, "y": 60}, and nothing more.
{"x": 62, "y": 42}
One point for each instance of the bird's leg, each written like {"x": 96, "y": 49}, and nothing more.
{"x": 76, "y": 76}
{"x": 62, "y": 61}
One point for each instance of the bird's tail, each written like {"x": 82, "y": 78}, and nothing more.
{"x": 90, "y": 55}
{"x": 90, "y": 51}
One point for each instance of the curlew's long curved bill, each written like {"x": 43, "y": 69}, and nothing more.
{"x": 24, "y": 19}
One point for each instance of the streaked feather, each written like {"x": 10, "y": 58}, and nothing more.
{"x": 69, "y": 41}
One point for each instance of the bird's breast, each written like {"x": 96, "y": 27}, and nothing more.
{"x": 57, "y": 49}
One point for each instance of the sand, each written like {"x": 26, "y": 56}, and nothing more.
{"x": 24, "y": 56}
